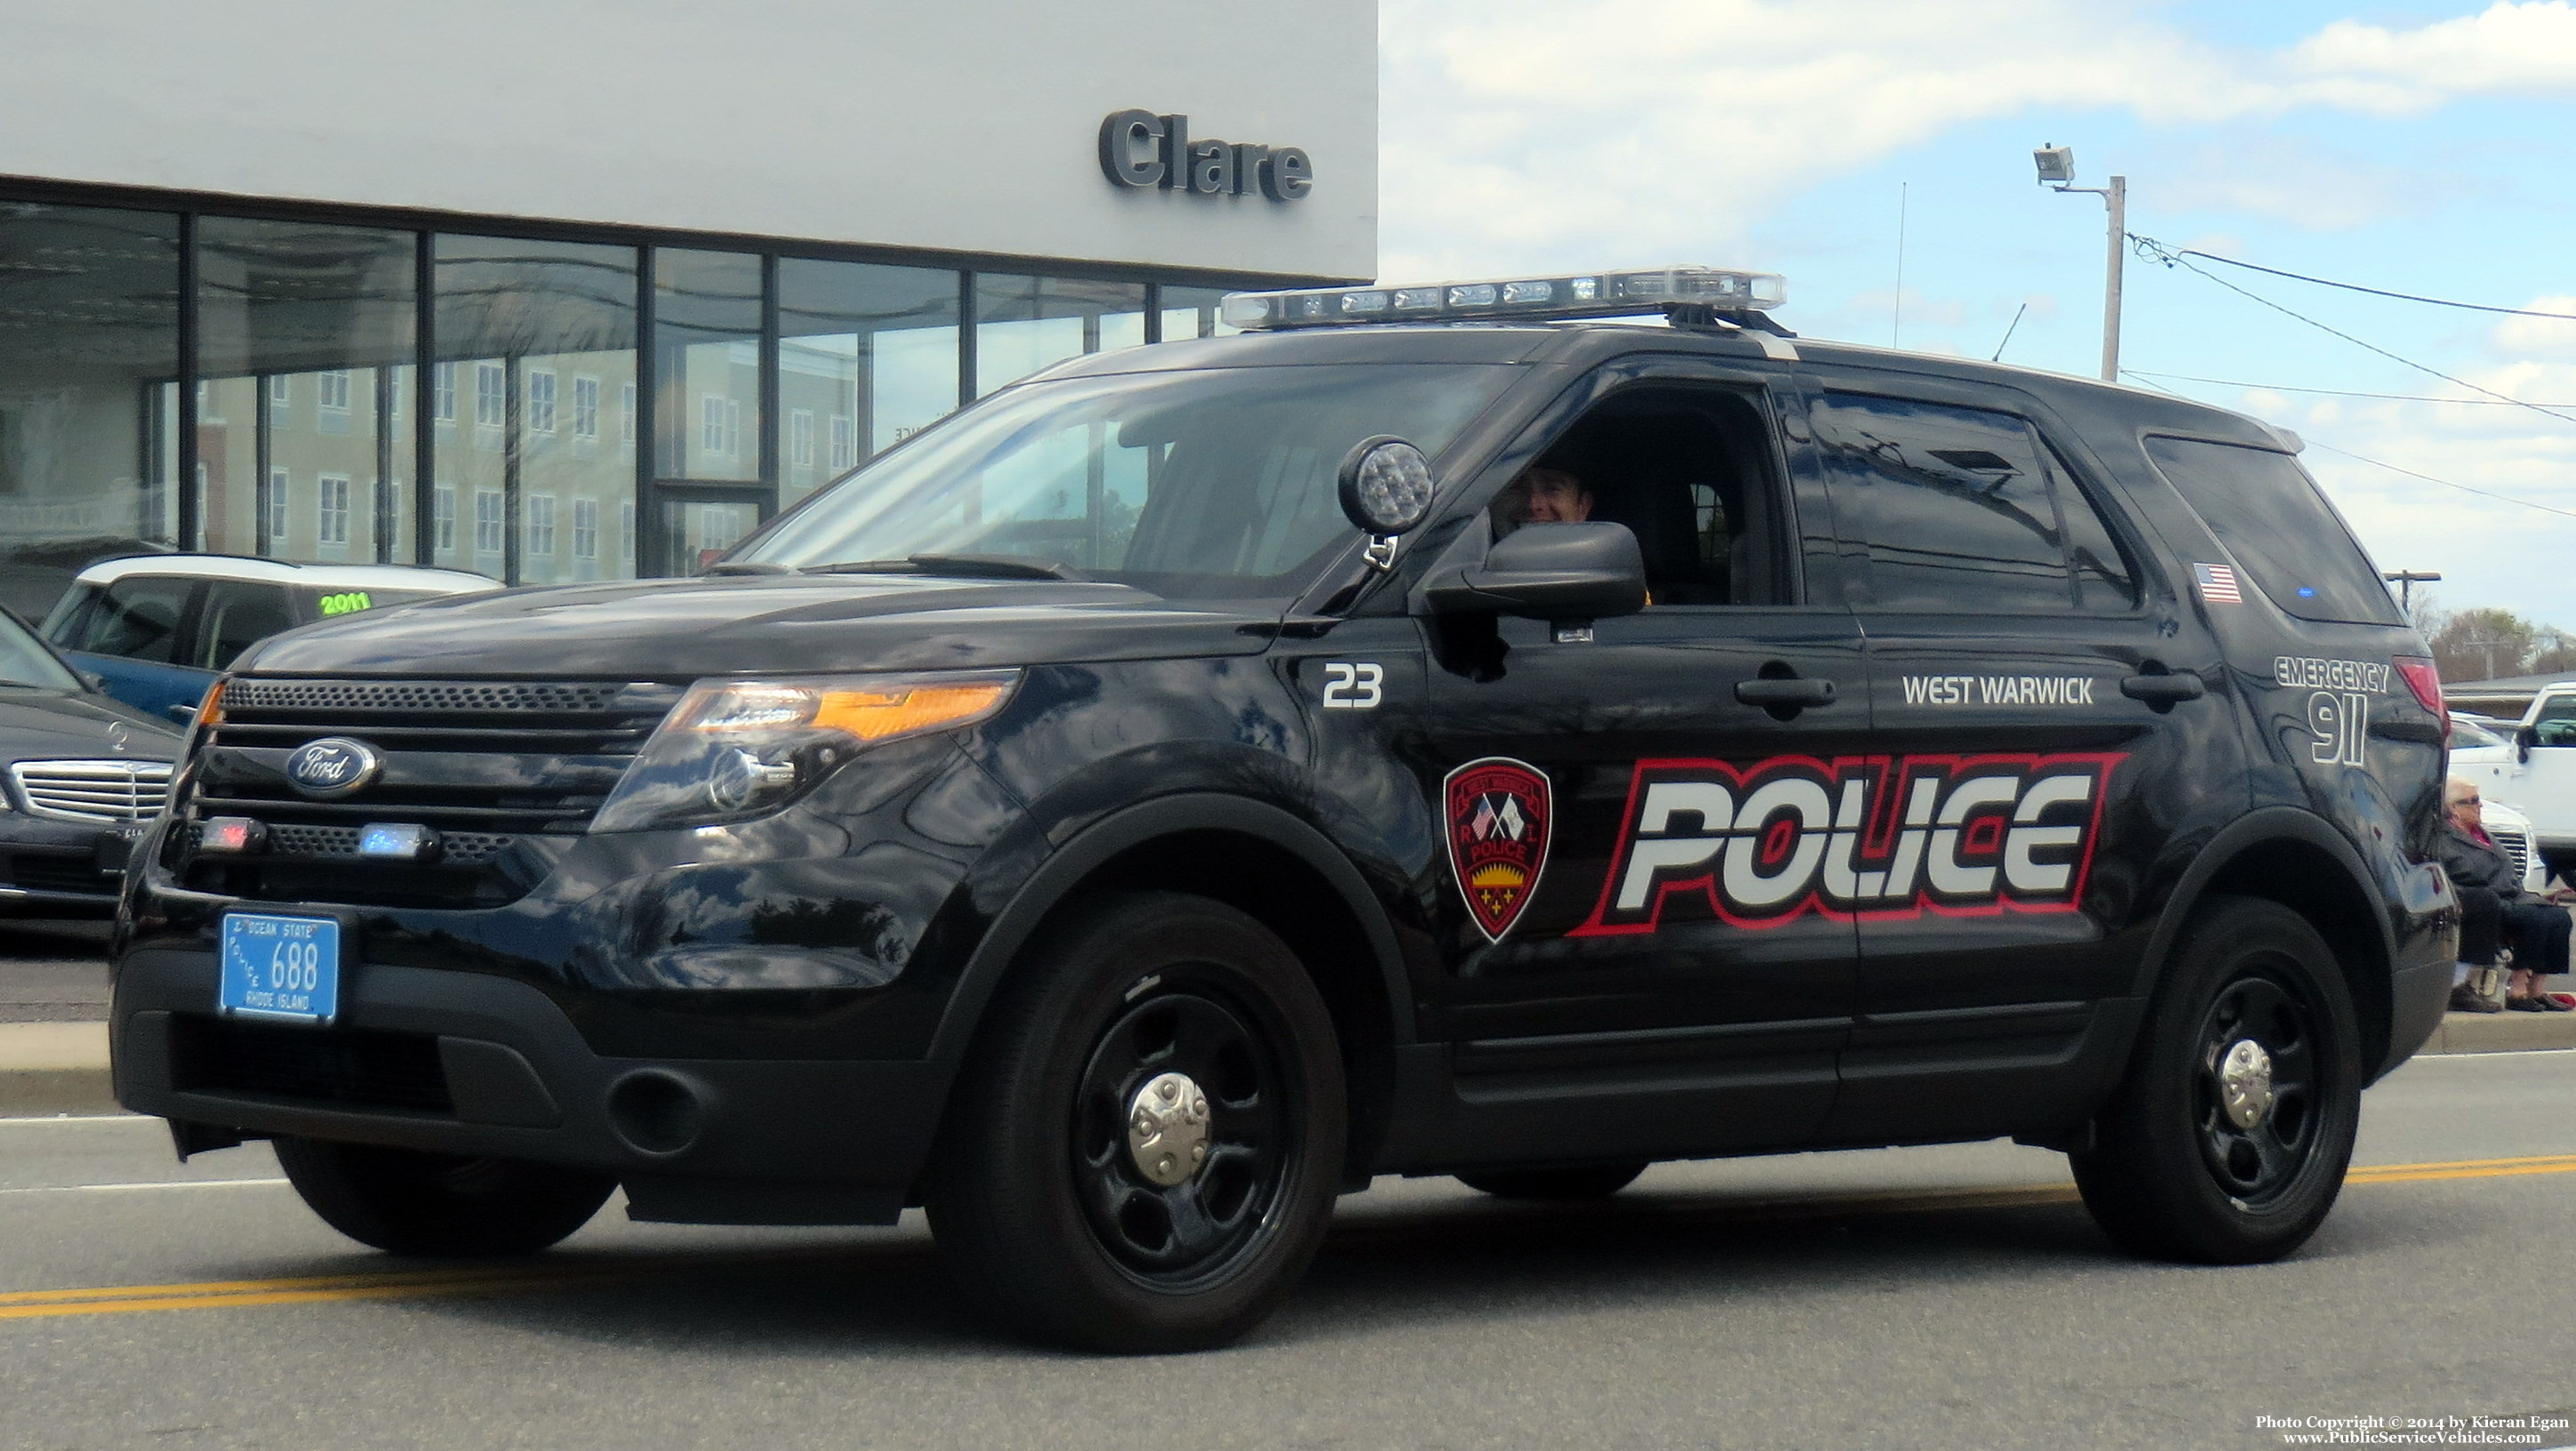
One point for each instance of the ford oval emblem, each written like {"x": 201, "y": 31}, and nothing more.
{"x": 334, "y": 766}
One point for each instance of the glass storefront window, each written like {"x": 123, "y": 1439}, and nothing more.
{"x": 706, "y": 336}
{"x": 1191, "y": 312}
{"x": 89, "y": 344}
{"x": 301, "y": 329}
{"x": 536, "y": 364}
{"x": 1023, "y": 324}
{"x": 867, "y": 355}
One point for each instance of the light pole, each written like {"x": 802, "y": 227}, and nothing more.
{"x": 2057, "y": 168}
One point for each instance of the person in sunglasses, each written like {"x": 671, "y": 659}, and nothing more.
{"x": 2534, "y": 926}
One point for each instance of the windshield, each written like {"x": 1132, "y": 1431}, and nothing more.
{"x": 25, "y": 662}
{"x": 1211, "y": 483}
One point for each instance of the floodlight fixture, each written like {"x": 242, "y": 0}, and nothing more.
{"x": 2056, "y": 164}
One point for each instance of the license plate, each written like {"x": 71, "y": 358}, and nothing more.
{"x": 286, "y": 968}
{"x": 116, "y": 846}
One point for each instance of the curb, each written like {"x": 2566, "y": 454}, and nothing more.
{"x": 53, "y": 1068}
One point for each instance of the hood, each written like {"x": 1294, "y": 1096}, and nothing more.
{"x": 676, "y": 629}
{"x": 58, "y": 724}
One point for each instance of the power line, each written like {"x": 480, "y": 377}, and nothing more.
{"x": 2350, "y": 286}
{"x": 2342, "y": 392}
{"x": 2171, "y": 258}
{"x": 2149, "y": 380}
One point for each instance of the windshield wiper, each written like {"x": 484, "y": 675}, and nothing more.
{"x": 996, "y": 566}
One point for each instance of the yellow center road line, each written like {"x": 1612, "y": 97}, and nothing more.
{"x": 576, "y": 1274}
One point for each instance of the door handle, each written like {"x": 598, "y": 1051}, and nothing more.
{"x": 1793, "y": 693}
{"x": 2163, "y": 690}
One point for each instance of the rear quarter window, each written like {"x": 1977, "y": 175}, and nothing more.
{"x": 2273, "y": 518}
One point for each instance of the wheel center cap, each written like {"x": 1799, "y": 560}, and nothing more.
{"x": 2245, "y": 1082}
{"x": 1167, "y": 1129}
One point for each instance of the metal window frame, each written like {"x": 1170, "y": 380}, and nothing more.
{"x": 189, "y": 208}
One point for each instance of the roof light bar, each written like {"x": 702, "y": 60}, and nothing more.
{"x": 1593, "y": 294}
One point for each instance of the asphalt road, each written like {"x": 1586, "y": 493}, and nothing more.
{"x": 1918, "y": 1298}
{"x": 52, "y": 970}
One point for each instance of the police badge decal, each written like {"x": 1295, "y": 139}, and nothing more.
{"x": 1500, "y": 815}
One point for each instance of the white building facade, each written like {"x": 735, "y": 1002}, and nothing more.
{"x": 581, "y": 290}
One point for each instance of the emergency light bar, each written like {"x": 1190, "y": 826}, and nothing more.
{"x": 1595, "y": 294}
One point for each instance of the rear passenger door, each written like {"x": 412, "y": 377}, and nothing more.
{"x": 2025, "y": 756}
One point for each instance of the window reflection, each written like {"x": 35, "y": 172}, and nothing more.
{"x": 706, "y": 327}
{"x": 1023, "y": 324}
{"x": 88, "y": 343}
{"x": 304, "y": 331}
{"x": 867, "y": 356}
{"x": 530, "y": 337}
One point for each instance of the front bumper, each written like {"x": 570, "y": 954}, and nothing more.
{"x": 473, "y": 1063}
{"x": 65, "y": 867}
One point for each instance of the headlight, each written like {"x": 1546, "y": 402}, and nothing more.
{"x": 734, "y": 749}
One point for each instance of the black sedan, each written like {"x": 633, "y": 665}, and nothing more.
{"x": 81, "y": 776}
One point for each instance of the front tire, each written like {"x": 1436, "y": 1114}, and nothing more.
{"x": 1144, "y": 1146}
{"x": 2227, "y": 1142}
{"x": 408, "y": 1202}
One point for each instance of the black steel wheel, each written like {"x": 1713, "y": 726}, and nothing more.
{"x": 1144, "y": 1144}
{"x": 409, "y": 1202}
{"x": 2228, "y": 1140}
{"x": 1171, "y": 1227}
{"x": 1595, "y": 1181}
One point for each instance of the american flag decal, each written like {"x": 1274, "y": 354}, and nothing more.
{"x": 2217, "y": 584}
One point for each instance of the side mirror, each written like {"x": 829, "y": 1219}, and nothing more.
{"x": 1551, "y": 572}
{"x": 2524, "y": 738}
{"x": 93, "y": 680}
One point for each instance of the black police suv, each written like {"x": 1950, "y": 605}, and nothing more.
{"x": 1419, "y": 735}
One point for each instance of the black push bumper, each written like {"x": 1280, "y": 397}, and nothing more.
{"x": 471, "y": 1063}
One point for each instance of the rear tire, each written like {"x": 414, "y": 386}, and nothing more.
{"x": 1598, "y": 1181}
{"x": 2227, "y": 1142}
{"x": 408, "y": 1202}
{"x": 1045, "y": 1196}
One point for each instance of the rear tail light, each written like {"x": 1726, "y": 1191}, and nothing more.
{"x": 2426, "y": 682}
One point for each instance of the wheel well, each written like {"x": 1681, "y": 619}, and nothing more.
{"x": 1278, "y": 888}
{"x": 2310, "y": 882}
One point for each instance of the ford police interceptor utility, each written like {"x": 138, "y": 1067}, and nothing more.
{"x": 1184, "y": 785}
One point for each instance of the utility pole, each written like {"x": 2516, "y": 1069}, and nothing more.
{"x": 2117, "y": 198}
{"x": 2406, "y": 580}
{"x": 2057, "y": 169}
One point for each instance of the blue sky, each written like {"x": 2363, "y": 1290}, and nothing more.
{"x": 2417, "y": 147}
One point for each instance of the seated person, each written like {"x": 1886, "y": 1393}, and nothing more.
{"x": 1546, "y": 492}
{"x": 2536, "y": 928}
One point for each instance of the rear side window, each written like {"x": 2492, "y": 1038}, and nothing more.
{"x": 1963, "y": 513}
{"x": 239, "y": 614}
{"x": 2270, "y": 515}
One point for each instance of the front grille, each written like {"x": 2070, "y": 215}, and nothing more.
{"x": 93, "y": 790}
{"x": 490, "y": 765}
{"x": 340, "y": 843}
{"x": 32, "y": 873}
{"x": 334, "y": 697}
{"x": 2517, "y": 846}
{"x": 327, "y": 1065}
